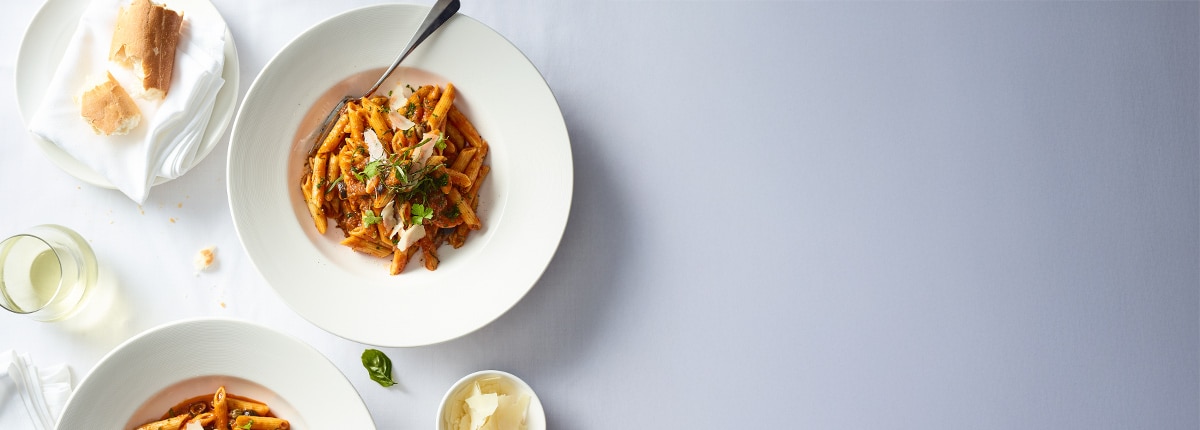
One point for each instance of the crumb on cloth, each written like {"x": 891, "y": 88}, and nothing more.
{"x": 206, "y": 258}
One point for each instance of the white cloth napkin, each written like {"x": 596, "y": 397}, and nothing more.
{"x": 165, "y": 142}
{"x": 31, "y": 397}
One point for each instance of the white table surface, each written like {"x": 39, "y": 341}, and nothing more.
{"x": 786, "y": 215}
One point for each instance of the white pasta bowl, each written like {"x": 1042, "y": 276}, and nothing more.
{"x": 143, "y": 377}
{"x": 523, "y": 204}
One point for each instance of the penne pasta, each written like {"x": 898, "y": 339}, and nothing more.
{"x": 437, "y": 120}
{"x": 260, "y": 423}
{"x": 173, "y": 423}
{"x": 428, "y": 171}
{"x": 335, "y": 136}
{"x": 218, "y": 411}
{"x": 235, "y": 404}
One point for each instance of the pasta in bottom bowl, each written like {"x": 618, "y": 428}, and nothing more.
{"x": 179, "y": 405}
{"x": 153, "y": 371}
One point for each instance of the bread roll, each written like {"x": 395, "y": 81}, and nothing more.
{"x": 108, "y": 108}
{"x": 145, "y": 39}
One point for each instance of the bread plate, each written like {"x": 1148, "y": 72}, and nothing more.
{"x": 42, "y": 48}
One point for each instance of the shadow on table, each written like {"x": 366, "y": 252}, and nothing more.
{"x": 103, "y": 321}
{"x": 555, "y": 325}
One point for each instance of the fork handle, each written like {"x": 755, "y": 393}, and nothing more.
{"x": 438, "y": 15}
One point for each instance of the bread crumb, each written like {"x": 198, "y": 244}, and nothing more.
{"x": 222, "y": 305}
{"x": 206, "y": 258}
{"x": 172, "y": 220}
{"x": 180, "y": 205}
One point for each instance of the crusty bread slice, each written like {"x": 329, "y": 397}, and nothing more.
{"x": 108, "y": 108}
{"x": 145, "y": 39}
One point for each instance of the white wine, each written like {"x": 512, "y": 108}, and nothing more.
{"x": 46, "y": 273}
{"x": 30, "y": 273}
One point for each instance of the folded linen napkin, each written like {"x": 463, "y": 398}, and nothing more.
{"x": 31, "y": 397}
{"x": 166, "y": 141}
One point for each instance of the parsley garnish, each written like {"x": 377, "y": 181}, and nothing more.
{"x": 410, "y": 109}
{"x": 249, "y": 425}
{"x": 372, "y": 169}
{"x": 441, "y": 143}
{"x": 420, "y": 213}
{"x": 370, "y": 219}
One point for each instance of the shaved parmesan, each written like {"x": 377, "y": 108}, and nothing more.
{"x": 374, "y": 146}
{"x": 421, "y": 153}
{"x": 491, "y": 410}
{"x": 398, "y": 96}
{"x": 510, "y": 412}
{"x": 193, "y": 425}
{"x": 390, "y": 220}
{"x": 409, "y": 236}
{"x": 481, "y": 407}
{"x": 398, "y": 121}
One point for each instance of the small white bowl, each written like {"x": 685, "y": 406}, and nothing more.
{"x": 535, "y": 416}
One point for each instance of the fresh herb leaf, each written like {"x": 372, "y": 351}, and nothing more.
{"x": 371, "y": 170}
{"x": 389, "y": 93}
{"x": 379, "y": 367}
{"x": 410, "y": 88}
{"x": 369, "y": 218}
{"x": 333, "y": 184}
{"x": 441, "y": 144}
{"x": 410, "y": 109}
{"x": 441, "y": 181}
{"x": 249, "y": 425}
{"x": 400, "y": 174}
{"x": 420, "y": 213}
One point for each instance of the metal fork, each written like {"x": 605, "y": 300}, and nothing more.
{"x": 438, "y": 15}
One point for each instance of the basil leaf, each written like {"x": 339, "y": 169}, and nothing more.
{"x": 379, "y": 367}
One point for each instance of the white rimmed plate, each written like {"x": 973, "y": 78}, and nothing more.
{"x": 143, "y": 377}
{"x": 524, "y": 203}
{"x": 42, "y": 49}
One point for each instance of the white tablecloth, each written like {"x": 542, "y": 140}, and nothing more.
{"x": 786, "y": 215}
